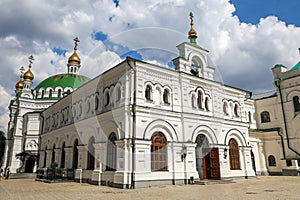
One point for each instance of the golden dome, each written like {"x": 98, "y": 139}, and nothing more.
{"x": 74, "y": 59}
{"x": 192, "y": 32}
{"x": 28, "y": 76}
{"x": 19, "y": 85}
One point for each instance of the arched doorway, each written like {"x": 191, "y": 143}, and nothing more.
{"x": 30, "y": 162}
{"x": 253, "y": 161}
{"x": 207, "y": 159}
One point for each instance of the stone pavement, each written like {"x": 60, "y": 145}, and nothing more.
{"x": 262, "y": 187}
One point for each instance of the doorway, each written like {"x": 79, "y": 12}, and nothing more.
{"x": 30, "y": 162}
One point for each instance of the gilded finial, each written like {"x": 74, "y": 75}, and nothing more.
{"x": 22, "y": 69}
{"x": 192, "y": 32}
{"x": 31, "y": 59}
{"x": 28, "y": 75}
{"x": 76, "y": 40}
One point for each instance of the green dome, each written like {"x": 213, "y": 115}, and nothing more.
{"x": 63, "y": 80}
{"x": 297, "y": 66}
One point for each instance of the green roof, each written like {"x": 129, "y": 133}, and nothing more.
{"x": 63, "y": 80}
{"x": 297, "y": 66}
{"x": 279, "y": 65}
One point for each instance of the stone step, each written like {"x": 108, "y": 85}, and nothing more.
{"x": 22, "y": 176}
{"x": 210, "y": 182}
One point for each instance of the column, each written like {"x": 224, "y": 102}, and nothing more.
{"x": 69, "y": 157}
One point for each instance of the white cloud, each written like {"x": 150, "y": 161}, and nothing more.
{"x": 237, "y": 48}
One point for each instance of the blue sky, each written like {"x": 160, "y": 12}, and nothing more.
{"x": 250, "y": 11}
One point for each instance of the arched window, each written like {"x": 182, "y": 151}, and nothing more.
{"x": 207, "y": 103}
{"x": 265, "y": 117}
{"x": 271, "y": 161}
{"x": 250, "y": 117}
{"x": 59, "y": 93}
{"x": 236, "y": 110}
{"x": 199, "y": 100}
{"x": 166, "y": 96}
{"x": 91, "y": 154}
{"x": 75, "y": 155}
{"x": 159, "y": 155}
{"x": 296, "y": 103}
{"x": 106, "y": 100}
{"x": 63, "y": 155}
{"x": 96, "y": 102}
{"x": 118, "y": 95}
{"x": 111, "y": 153}
{"x": 43, "y": 92}
{"x": 194, "y": 68}
{"x": 148, "y": 93}
{"x": 225, "y": 108}
{"x": 234, "y": 155}
{"x": 53, "y": 155}
{"x": 50, "y": 93}
{"x": 193, "y": 101}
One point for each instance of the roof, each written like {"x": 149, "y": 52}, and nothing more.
{"x": 63, "y": 80}
{"x": 297, "y": 66}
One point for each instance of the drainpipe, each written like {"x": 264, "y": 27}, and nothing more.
{"x": 277, "y": 84}
{"x": 128, "y": 59}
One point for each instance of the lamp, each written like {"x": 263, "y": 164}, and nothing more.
{"x": 183, "y": 152}
{"x": 225, "y": 153}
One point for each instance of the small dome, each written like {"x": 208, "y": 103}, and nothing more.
{"x": 192, "y": 32}
{"x": 28, "y": 76}
{"x": 74, "y": 59}
{"x": 19, "y": 85}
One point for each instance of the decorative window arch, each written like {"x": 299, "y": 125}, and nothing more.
{"x": 296, "y": 103}
{"x": 272, "y": 161}
{"x": 199, "y": 100}
{"x": 265, "y": 117}
{"x": 234, "y": 155}
{"x": 75, "y": 154}
{"x": 166, "y": 96}
{"x": 159, "y": 153}
{"x": 96, "y": 102}
{"x": 111, "y": 153}
{"x": 63, "y": 156}
{"x": 148, "y": 93}
{"x": 91, "y": 154}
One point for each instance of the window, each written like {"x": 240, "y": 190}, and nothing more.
{"x": 194, "y": 68}
{"x": 111, "y": 152}
{"x": 106, "y": 98}
{"x": 193, "y": 101}
{"x": 59, "y": 93}
{"x": 296, "y": 103}
{"x": 225, "y": 108}
{"x": 250, "y": 117}
{"x": 166, "y": 96}
{"x": 50, "y": 93}
{"x": 42, "y": 95}
{"x": 236, "y": 110}
{"x": 202, "y": 141}
{"x": 118, "y": 95}
{"x": 159, "y": 152}
{"x": 265, "y": 117}
{"x": 272, "y": 161}
{"x": 289, "y": 163}
{"x": 199, "y": 100}
{"x": 63, "y": 155}
{"x": 96, "y": 102}
{"x": 234, "y": 155}
{"x": 148, "y": 93}
{"x": 75, "y": 155}
{"x": 207, "y": 103}
{"x": 91, "y": 154}
{"x": 45, "y": 158}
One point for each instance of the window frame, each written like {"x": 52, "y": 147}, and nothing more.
{"x": 234, "y": 155}
{"x": 159, "y": 152}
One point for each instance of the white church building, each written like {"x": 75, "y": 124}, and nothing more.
{"x": 139, "y": 124}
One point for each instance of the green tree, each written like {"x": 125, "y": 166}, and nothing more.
{"x": 2, "y": 145}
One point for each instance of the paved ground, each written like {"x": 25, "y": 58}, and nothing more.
{"x": 254, "y": 188}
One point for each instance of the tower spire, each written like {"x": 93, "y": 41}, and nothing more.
{"x": 74, "y": 60}
{"x": 192, "y": 33}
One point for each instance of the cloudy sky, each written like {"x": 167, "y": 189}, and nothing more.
{"x": 245, "y": 38}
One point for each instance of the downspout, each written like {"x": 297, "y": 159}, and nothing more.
{"x": 40, "y": 137}
{"x": 128, "y": 59}
{"x": 282, "y": 141}
{"x": 277, "y": 84}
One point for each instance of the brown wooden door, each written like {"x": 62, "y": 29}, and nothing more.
{"x": 214, "y": 164}
{"x": 204, "y": 165}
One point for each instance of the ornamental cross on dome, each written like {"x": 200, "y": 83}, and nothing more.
{"x": 191, "y": 17}
{"x": 31, "y": 59}
{"x": 76, "y": 40}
